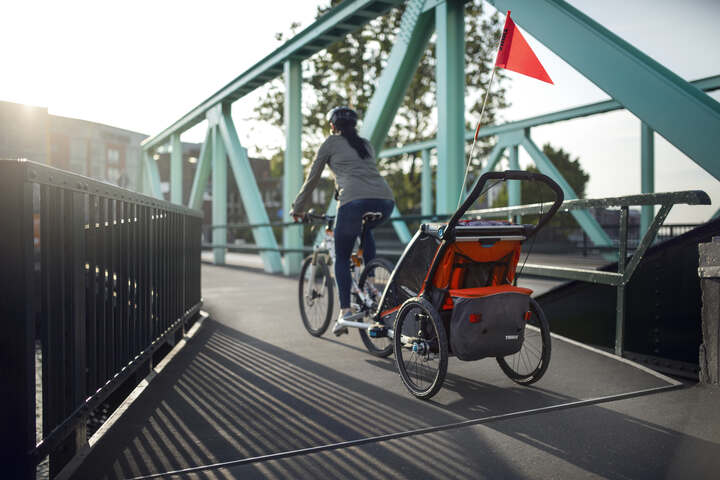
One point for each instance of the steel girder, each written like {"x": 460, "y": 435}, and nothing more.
{"x": 152, "y": 176}
{"x": 176, "y": 166}
{"x": 514, "y": 192}
{"x": 346, "y": 18}
{"x": 249, "y": 192}
{"x": 292, "y": 171}
{"x": 202, "y": 172}
{"x": 450, "y": 78}
{"x": 416, "y": 28}
{"x": 705, "y": 84}
{"x": 412, "y": 38}
{"x": 680, "y": 112}
{"x": 426, "y": 197}
{"x": 219, "y": 194}
{"x": 647, "y": 173}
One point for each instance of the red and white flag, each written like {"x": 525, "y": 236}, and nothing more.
{"x": 515, "y": 54}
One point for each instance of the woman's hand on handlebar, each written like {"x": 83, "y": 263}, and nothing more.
{"x": 297, "y": 217}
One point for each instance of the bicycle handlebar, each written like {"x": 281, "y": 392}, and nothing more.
{"x": 311, "y": 217}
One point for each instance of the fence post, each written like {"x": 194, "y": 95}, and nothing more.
{"x": 622, "y": 257}
{"x": 17, "y": 343}
{"x": 709, "y": 272}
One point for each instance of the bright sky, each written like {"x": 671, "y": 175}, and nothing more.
{"x": 141, "y": 65}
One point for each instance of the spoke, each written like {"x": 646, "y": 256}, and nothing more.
{"x": 533, "y": 348}
{"x": 531, "y": 365}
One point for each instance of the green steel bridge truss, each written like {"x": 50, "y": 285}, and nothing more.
{"x": 678, "y": 110}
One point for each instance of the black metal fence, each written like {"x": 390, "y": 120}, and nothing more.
{"x": 94, "y": 280}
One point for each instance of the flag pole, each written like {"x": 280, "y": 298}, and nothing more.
{"x": 475, "y": 137}
{"x": 482, "y": 111}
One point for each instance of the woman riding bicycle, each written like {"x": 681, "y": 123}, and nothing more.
{"x": 360, "y": 189}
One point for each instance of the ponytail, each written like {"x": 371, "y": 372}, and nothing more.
{"x": 348, "y": 131}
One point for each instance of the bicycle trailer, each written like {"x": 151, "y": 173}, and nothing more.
{"x": 453, "y": 292}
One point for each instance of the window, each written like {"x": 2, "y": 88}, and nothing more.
{"x": 79, "y": 156}
{"x": 115, "y": 165}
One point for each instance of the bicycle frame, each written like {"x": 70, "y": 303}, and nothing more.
{"x": 326, "y": 248}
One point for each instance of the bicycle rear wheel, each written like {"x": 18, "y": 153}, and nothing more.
{"x": 421, "y": 351}
{"x": 529, "y": 364}
{"x": 373, "y": 281}
{"x": 316, "y": 296}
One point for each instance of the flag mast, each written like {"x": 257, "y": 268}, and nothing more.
{"x": 521, "y": 60}
{"x": 482, "y": 112}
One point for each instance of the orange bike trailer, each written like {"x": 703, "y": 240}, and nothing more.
{"x": 466, "y": 270}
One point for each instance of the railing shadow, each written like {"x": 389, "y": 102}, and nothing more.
{"x": 230, "y": 396}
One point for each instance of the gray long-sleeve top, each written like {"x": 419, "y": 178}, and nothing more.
{"x": 355, "y": 177}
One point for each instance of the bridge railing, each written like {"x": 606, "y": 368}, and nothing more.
{"x": 619, "y": 279}
{"x": 95, "y": 279}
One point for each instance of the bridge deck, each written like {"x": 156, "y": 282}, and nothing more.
{"x": 252, "y": 382}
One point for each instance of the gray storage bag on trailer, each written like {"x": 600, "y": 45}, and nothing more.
{"x": 488, "y": 326}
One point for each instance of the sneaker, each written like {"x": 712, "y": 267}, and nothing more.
{"x": 341, "y": 329}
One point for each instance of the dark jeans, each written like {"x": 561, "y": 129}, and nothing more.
{"x": 347, "y": 229}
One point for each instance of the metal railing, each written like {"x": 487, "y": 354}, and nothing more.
{"x": 619, "y": 279}
{"x": 95, "y": 279}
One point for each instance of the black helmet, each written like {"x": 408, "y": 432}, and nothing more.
{"x": 342, "y": 113}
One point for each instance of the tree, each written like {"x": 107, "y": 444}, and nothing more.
{"x": 345, "y": 74}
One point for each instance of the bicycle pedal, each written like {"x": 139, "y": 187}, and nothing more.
{"x": 377, "y": 330}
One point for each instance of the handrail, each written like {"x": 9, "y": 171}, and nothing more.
{"x": 108, "y": 275}
{"x": 618, "y": 279}
{"x": 686, "y": 197}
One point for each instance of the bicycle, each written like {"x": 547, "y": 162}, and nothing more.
{"x": 316, "y": 287}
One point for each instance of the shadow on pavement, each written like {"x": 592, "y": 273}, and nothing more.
{"x": 229, "y": 396}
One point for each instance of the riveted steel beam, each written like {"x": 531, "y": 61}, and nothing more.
{"x": 202, "y": 172}
{"x": 303, "y": 45}
{"x": 647, "y": 173}
{"x": 426, "y": 197}
{"x": 450, "y": 78}
{"x": 415, "y": 30}
{"x": 292, "y": 171}
{"x": 249, "y": 191}
{"x": 176, "y": 168}
{"x": 705, "y": 84}
{"x": 514, "y": 187}
{"x": 219, "y": 194}
{"x": 680, "y": 112}
{"x": 152, "y": 175}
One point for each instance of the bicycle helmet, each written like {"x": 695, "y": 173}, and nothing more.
{"x": 342, "y": 113}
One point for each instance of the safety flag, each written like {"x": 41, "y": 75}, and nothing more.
{"x": 515, "y": 54}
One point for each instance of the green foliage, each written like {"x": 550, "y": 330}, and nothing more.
{"x": 346, "y": 74}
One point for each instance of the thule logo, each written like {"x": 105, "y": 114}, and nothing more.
{"x": 512, "y": 337}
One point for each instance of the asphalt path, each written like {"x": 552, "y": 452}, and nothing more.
{"x": 253, "y": 383}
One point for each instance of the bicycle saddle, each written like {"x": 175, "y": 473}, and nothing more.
{"x": 371, "y": 217}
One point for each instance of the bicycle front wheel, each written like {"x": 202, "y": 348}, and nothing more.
{"x": 316, "y": 296}
{"x": 373, "y": 281}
